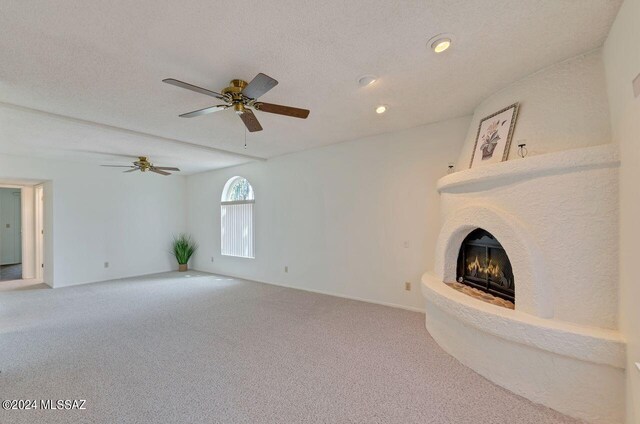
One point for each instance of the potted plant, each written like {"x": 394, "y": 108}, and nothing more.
{"x": 183, "y": 248}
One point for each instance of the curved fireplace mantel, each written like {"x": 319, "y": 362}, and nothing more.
{"x": 512, "y": 171}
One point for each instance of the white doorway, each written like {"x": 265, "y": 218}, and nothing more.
{"x": 21, "y": 234}
{"x": 39, "y": 232}
{"x": 10, "y": 234}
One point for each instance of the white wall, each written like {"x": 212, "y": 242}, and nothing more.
{"x": 561, "y": 107}
{"x": 99, "y": 215}
{"x": 338, "y": 216}
{"x": 622, "y": 63}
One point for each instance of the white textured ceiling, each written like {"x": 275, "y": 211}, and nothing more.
{"x": 103, "y": 62}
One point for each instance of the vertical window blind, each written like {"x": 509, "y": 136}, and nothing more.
{"x": 237, "y": 235}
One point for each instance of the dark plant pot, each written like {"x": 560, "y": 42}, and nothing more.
{"x": 183, "y": 267}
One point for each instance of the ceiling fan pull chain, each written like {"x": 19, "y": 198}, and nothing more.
{"x": 245, "y": 137}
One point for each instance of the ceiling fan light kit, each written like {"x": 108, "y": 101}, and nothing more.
{"x": 242, "y": 97}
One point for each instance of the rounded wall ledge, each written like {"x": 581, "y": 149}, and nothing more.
{"x": 508, "y": 172}
{"x": 590, "y": 344}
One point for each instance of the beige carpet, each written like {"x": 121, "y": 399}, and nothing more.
{"x": 207, "y": 349}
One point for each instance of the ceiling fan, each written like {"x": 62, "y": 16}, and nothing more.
{"x": 143, "y": 165}
{"x": 242, "y": 97}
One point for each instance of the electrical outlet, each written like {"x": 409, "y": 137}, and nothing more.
{"x": 212, "y": 259}
{"x": 406, "y": 244}
{"x": 286, "y": 269}
{"x": 106, "y": 264}
{"x": 407, "y": 286}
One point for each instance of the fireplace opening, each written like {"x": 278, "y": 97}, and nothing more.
{"x": 484, "y": 265}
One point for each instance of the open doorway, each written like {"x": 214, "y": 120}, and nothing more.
{"x": 10, "y": 234}
{"x": 21, "y": 234}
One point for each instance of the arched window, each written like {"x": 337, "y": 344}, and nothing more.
{"x": 236, "y": 218}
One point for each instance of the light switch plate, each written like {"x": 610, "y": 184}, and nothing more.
{"x": 636, "y": 86}
{"x": 638, "y": 365}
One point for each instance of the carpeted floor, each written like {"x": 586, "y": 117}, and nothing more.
{"x": 207, "y": 349}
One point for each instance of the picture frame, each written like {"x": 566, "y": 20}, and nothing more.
{"x": 494, "y": 137}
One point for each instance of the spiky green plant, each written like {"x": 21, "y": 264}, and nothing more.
{"x": 183, "y": 248}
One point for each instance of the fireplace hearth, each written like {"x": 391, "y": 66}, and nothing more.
{"x": 484, "y": 265}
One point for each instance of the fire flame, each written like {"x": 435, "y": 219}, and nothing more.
{"x": 491, "y": 268}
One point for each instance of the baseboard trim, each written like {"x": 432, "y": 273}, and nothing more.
{"x": 124, "y": 277}
{"x": 327, "y": 293}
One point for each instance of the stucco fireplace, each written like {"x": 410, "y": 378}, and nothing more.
{"x": 509, "y": 224}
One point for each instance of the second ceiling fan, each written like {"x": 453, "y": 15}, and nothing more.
{"x": 242, "y": 97}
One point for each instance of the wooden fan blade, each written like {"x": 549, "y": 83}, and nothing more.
{"x": 166, "y": 168}
{"x": 204, "y": 111}
{"x": 195, "y": 88}
{"x": 259, "y": 85}
{"x": 131, "y": 170}
{"x": 282, "y": 110}
{"x": 157, "y": 171}
{"x": 119, "y": 166}
{"x": 250, "y": 121}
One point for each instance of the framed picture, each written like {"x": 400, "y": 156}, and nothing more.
{"x": 494, "y": 137}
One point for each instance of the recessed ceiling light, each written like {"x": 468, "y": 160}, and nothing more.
{"x": 381, "y": 109}
{"x": 440, "y": 42}
{"x": 441, "y": 45}
{"x": 365, "y": 80}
